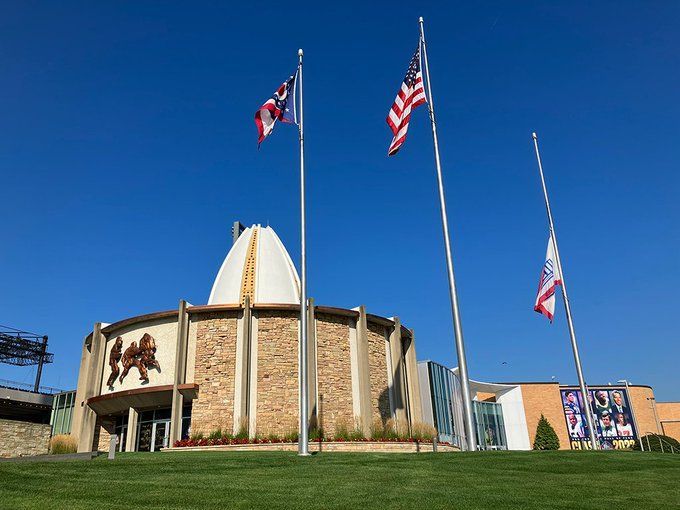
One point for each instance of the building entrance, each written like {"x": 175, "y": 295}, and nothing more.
{"x": 154, "y": 430}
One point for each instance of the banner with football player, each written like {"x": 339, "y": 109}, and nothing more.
{"x": 612, "y": 413}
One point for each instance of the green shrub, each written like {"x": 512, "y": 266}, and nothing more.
{"x": 197, "y": 436}
{"x": 342, "y": 432}
{"x": 423, "y": 432}
{"x": 216, "y": 434}
{"x": 546, "y": 438}
{"x": 63, "y": 443}
{"x": 652, "y": 442}
{"x": 291, "y": 436}
{"x": 242, "y": 429}
{"x": 316, "y": 434}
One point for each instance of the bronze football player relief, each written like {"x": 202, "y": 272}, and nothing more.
{"x": 114, "y": 358}
{"x": 143, "y": 357}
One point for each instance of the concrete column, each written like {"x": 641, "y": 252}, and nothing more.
{"x": 242, "y": 371}
{"x": 413, "y": 386}
{"x": 131, "y": 439}
{"x": 92, "y": 383}
{"x": 363, "y": 372}
{"x": 79, "y": 399}
{"x": 180, "y": 372}
{"x": 252, "y": 383}
{"x": 398, "y": 386}
{"x": 311, "y": 361}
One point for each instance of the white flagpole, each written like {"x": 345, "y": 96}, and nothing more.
{"x": 303, "y": 445}
{"x": 457, "y": 327}
{"x": 567, "y": 306}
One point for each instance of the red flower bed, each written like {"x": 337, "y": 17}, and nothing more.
{"x": 184, "y": 443}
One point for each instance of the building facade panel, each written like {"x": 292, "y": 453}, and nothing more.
{"x": 277, "y": 371}
{"x": 22, "y": 438}
{"x": 669, "y": 416}
{"x": 643, "y": 405}
{"x": 544, "y": 398}
{"x": 380, "y": 396}
{"x": 214, "y": 372}
{"x": 334, "y": 372}
{"x": 163, "y": 331}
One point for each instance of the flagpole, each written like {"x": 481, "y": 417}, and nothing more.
{"x": 457, "y": 327}
{"x": 303, "y": 445}
{"x": 567, "y": 306}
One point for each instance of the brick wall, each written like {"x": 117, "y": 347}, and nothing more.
{"x": 277, "y": 372}
{"x": 380, "y": 400}
{"x": 21, "y": 438}
{"x": 334, "y": 372}
{"x": 544, "y": 398}
{"x": 214, "y": 372}
{"x": 644, "y": 413}
{"x": 669, "y": 415}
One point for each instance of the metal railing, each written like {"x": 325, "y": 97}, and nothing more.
{"x": 669, "y": 448}
{"x": 15, "y": 385}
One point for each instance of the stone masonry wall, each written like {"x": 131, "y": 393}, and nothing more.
{"x": 277, "y": 372}
{"x": 334, "y": 372}
{"x": 22, "y": 438}
{"x": 102, "y": 434}
{"x": 380, "y": 399}
{"x": 544, "y": 398}
{"x": 214, "y": 372}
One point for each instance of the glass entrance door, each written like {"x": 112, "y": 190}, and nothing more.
{"x": 153, "y": 432}
{"x": 161, "y": 435}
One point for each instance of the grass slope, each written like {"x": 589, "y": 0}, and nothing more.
{"x": 219, "y": 480}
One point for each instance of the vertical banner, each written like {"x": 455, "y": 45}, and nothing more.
{"x": 612, "y": 413}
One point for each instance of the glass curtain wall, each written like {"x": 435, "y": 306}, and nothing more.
{"x": 443, "y": 396}
{"x": 62, "y": 412}
{"x": 489, "y": 426}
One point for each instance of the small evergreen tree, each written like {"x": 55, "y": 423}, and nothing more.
{"x": 546, "y": 438}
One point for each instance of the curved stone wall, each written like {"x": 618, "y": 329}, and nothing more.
{"x": 244, "y": 363}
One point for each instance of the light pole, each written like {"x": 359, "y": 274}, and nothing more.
{"x": 632, "y": 409}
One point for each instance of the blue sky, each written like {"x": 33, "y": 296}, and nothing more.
{"x": 127, "y": 148}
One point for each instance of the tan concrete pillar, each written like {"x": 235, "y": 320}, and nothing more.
{"x": 252, "y": 382}
{"x": 363, "y": 372}
{"x": 79, "y": 399}
{"x": 180, "y": 372}
{"x": 398, "y": 386}
{"x": 242, "y": 373}
{"x": 413, "y": 384}
{"x": 131, "y": 439}
{"x": 311, "y": 362}
{"x": 92, "y": 383}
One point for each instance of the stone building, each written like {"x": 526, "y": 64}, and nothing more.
{"x": 232, "y": 364}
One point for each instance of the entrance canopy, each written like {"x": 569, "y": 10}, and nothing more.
{"x": 139, "y": 398}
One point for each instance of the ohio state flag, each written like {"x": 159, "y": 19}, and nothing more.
{"x": 276, "y": 108}
{"x": 550, "y": 278}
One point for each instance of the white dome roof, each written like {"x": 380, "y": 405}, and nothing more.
{"x": 258, "y": 266}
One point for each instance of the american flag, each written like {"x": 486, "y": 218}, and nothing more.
{"x": 411, "y": 95}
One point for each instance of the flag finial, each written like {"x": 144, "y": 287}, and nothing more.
{"x": 420, "y": 20}
{"x": 300, "y": 52}
{"x": 533, "y": 135}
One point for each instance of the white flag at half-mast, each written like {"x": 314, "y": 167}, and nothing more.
{"x": 550, "y": 278}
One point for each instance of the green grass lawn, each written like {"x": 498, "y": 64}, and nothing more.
{"x": 219, "y": 480}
